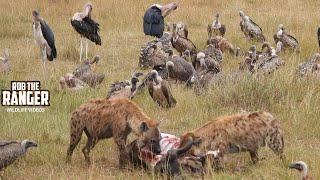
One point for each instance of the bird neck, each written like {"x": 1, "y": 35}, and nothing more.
{"x": 87, "y": 12}
{"x": 304, "y": 175}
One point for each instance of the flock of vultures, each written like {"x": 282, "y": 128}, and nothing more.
{"x": 117, "y": 116}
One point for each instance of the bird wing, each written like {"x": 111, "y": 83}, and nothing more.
{"x": 165, "y": 87}
{"x": 88, "y": 28}
{"x": 9, "y": 152}
{"x": 48, "y": 35}
{"x": 255, "y": 26}
{"x": 186, "y": 32}
{"x": 292, "y": 40}
{"x": 150, "y": 89}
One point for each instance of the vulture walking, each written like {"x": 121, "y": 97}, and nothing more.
{"x": 4, "y": 62}
{"x": 86, "y": 27}
{"x": 288, "y": 41}
{"x": 214, "y": 52}
{"x": 182, "y": 44}
{"x": 124, "y": 89}
{"x": 12, "y": 150}
{"x": 160, "y": 91}
{"x": 302, "y": 167}
{"x": 44, "y": 38}
{"x": 155, "y": 52}
{"x": 250, "y": 29}
{"x": 179, "y": 69}
{"x": 153, "y": 19}
{"x": 216, "y": 28}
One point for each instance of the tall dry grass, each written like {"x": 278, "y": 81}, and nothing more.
{"x": 295, "y": 102}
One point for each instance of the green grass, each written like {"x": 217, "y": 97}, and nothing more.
{"x": 295, "y": 102}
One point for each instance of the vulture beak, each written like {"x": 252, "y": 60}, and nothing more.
{"x": 296, "y": 166}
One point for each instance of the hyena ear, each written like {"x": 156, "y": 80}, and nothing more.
{"x": 144, "y": 127}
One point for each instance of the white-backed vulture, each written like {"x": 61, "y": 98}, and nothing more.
{"x": 160, "y": 91}
{"x": 310, "y": 66}
{"x": 12, "y": 150}
{"x": 124, "y": 89}
{"x": 155, "y": 51}
{"x": 84, "y": 73}
{"x": 288, "y": 41}
{"x": 250, "y": 29}
{"x": 302, "y": 167}
{"x": 216, "y": 28}
{"x": 179, "y": 69}
{"x": 4, "y": 62}
{"x": 182, "y": 30}
{"x": 261, "y": 61}
{"x": 182, "y": 44}
{"x": 204, "y": 62}
{"x": 214, "y": 52}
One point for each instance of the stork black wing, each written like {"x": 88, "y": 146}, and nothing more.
{"x": 49, "y": 37}
{"x": 153, "y": 22}
{"x": 87, "y": 28}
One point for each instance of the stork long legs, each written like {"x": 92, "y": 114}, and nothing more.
{"x": 86, "y": 49}
{"x": 43, "y": 53}
{"x": 81, "y": 48}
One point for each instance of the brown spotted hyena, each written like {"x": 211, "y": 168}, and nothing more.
{"x": 102, "y": 118}
{"x": 236, "y": 133}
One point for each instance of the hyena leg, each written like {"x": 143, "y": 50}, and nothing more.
{"x": 90, "y": 144}
{"x": 217, "y": 161}
{"x": 254, "y": 156}
{"x": 75, "y": 137}
{"x": 123, "y": 155}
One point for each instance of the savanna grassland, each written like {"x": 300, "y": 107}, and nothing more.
{"x": 294, "y": 101}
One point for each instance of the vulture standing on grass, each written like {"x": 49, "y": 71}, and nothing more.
{"x": 124, "y": 89}
{"x": 308, "y": 66}
{"x": 302, "y": 167}
{"x": 155, "y": 51}
{"x": 12, "y": 150}
{"x": 160, "y": 91}
{"x": 4, "y": 62}
{"x": 86, "y": 27}
{"x": 288, "y": 41}
{"x": 84, "y": 73}
{"x": 224, "y": 45}
{"x": 44, "y": 38}
{"x": 70, "y": 82}
{"x": 250, "y": 29}
{"x": 179, "y": 69}
{"x": 216, "y": 28}
{"x": 153, "y": 19}
{"x": 204, "y": 62}
{"x": 182, "y": 44}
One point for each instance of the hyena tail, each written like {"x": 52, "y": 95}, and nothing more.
{"x": 75, "y": 136}
{"x": 276, "y": 143}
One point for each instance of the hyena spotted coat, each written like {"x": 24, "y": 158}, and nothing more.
{"x": 236, "y": 133}
{"x": 102, "y": 118}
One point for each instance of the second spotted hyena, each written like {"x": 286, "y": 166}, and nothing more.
{"x": 102, "y": 118}
{"x": 241, "y": 132}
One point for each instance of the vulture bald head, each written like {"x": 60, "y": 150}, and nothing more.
{"x": 302, "y": 167}
{"x": 26, "y": 144}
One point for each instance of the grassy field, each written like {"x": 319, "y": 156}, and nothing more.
{"x": 295, "y": 102}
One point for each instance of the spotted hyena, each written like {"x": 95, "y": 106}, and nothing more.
{"x": 102, "y": 118}
{"x": 236, "y": 133}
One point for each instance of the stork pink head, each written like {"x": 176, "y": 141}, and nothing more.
{"x": 88, "y": 5}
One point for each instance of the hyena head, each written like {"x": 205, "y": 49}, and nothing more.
{"x": 151, "y": 136}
